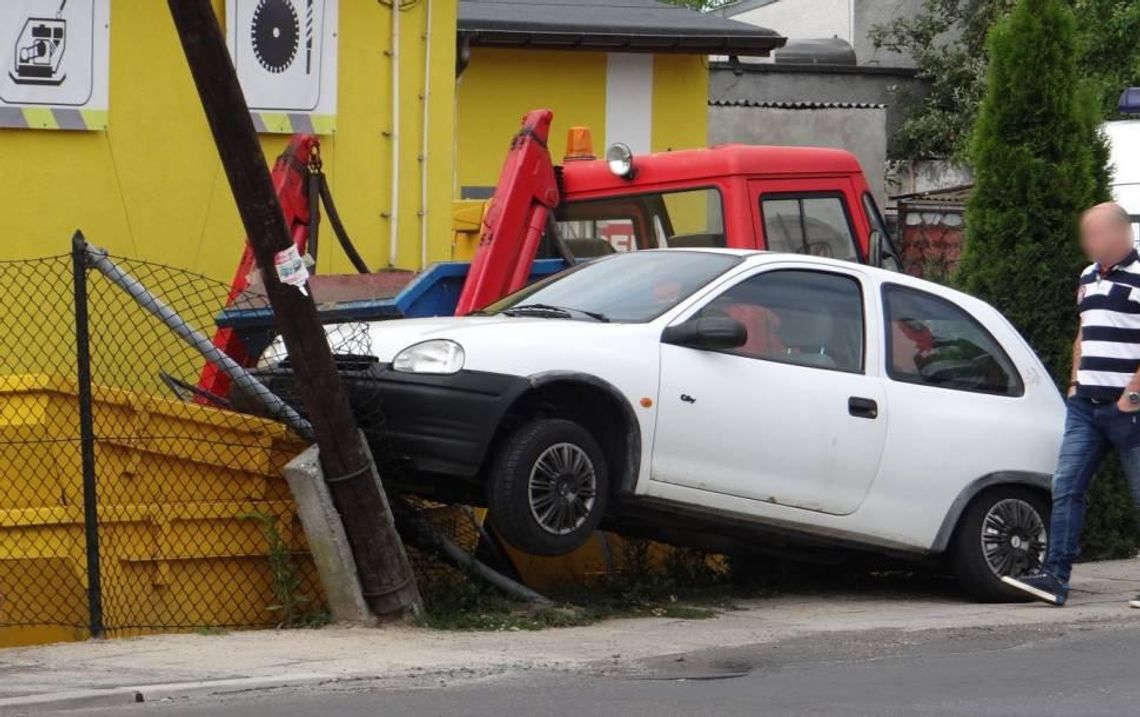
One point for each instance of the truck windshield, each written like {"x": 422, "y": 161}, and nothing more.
{"x": 679, "y": 219}
{"x": 625, "y": 288}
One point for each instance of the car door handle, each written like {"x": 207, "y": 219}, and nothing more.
{"x": 862, "y": 407}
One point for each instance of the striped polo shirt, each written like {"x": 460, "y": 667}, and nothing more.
{"x": 1109, "y": 303}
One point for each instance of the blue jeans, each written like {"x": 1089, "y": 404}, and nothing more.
{"x": 1090, "y": 430}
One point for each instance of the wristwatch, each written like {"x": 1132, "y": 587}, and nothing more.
{"x": 1133, "y": 398}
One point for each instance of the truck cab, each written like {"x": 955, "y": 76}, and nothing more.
{"x": 807, "y": 200}
{"x": 804, "y": 200}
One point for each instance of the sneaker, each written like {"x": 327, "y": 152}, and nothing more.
{"x": 1044, "y": 587}
{"x": 1135, "y": 602}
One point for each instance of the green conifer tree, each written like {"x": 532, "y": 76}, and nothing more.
{"x": 1038, "y": 162}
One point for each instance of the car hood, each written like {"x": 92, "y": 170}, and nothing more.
{"x": 477, "y": 334}
{"x": 518, "y": 345}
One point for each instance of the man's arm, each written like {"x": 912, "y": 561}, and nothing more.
{"x": 1133, "y": 386}
{"x": 1076, "y": 365}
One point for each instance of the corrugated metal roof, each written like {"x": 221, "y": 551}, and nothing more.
{"x": 952, "y": 196}
{"x": 743, "y": 6}
{"x": 618, "y": 25}
{"x": 798, "y": 105}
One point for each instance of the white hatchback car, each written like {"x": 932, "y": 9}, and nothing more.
{"x": 733, "y": 400}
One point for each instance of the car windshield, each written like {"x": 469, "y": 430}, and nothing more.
{"x": 626, "y": 288}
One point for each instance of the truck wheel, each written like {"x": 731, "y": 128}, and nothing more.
{"x": 547, "y": 488}
{"x": 1004, "y": 531}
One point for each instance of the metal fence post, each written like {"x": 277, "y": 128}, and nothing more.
{"x": 87, "y": 435}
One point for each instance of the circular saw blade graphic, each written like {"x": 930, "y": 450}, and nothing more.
{"x": 275, "y": 34}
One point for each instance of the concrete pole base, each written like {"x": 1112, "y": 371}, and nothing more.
{"x": 328, "y": 543}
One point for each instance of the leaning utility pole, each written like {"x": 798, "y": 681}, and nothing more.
{"x": 385, "y": 576}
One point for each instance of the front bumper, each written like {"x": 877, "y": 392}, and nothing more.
{"x": 435, "y": 424}
{"x": 444, "y": 424}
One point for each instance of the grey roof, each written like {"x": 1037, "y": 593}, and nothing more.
{"x": 605, "y": 25}
{"x": 776, "y": 105}
{"x": 816, "y": 51}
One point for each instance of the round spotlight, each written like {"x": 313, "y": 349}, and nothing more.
{"x": 620, "y": 159}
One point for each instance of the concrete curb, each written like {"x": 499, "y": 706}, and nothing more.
{"x": 120, "y": 696}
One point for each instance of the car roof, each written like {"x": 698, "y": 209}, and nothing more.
{"x": 754, "y": 257}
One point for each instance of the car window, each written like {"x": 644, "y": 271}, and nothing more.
{"x": 627, "y": 288}
{"x": 934, "y": 342}
{"x": 810, "y": 318}
{"x": 684, "y": 219}
{"x": 816, "y": 225}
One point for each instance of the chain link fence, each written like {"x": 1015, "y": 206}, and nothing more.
{"x": 131, "y": 499}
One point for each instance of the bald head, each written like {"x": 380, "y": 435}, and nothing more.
{"x": 1106, "y": 233}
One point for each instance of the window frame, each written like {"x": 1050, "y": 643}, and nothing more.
{"x": 1017, "y": 391}
{"x": 812, "y": 194}
{"x": 863, "y": 315}
{"x": 875, "y": 217}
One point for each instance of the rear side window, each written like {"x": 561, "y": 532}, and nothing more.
{"x": 933, "y": 342}
{"x": 816, "y": 225}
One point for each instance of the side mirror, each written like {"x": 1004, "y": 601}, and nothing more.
{"x": 880, "y": 254}
{"x": 709, "y": 333}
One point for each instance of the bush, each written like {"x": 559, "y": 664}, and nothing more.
{"x": 1038, "y": 161}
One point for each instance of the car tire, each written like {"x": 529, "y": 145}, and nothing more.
{"x": 547, "y": 487}
{"x": 1002, "y": 532}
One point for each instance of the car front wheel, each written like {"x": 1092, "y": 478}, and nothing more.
{"x": 547, "y": 487}
{"x": 1004, "y": 531}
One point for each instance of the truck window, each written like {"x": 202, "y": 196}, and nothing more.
{"x": 816, "y": 225}
{"x": 682, "y": 219}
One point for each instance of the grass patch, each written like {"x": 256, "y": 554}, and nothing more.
{"x": 468, "y": 606}
{"x": 681, "y": 584}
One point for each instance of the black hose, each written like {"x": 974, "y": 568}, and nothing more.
{"x": 315, "y": 179}
{"x": 338, "y": 228}
{"x": 559, "y": 243}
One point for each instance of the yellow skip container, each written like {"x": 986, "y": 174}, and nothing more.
{"x": 179, "y": 486}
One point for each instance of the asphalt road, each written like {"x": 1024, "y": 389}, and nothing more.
{"x": 1076, "y": 670}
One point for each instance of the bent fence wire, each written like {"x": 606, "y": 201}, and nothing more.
{"x": 196, "y": 526}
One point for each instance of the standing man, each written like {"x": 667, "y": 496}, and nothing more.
{"x": 1103, "y": 405}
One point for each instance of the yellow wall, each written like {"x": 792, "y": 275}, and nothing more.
{"x": 499, "y": 86}
{"x": 680, "y": 102}
{"x": 151, "y": 186}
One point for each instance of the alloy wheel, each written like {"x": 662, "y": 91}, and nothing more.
{"x": 562, "y": 488}
{"x": 1013, "y": 538}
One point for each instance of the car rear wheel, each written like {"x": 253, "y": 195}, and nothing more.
{"x": 1004, "y": 531}
{"x": 547, "y": 487}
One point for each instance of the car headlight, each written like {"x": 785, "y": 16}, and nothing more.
{"x": 436, "y": 356}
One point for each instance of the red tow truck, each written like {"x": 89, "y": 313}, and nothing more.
{"x": 543, "y": 217}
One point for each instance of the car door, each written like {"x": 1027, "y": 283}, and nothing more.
{"x": 791, "y": 417}
{"x": 954, "y": 394}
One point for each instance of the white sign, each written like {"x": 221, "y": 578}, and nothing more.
{"x": 285, "y": 53}
{"x": 54, "y": 63}
{"x": 291, "y": 268}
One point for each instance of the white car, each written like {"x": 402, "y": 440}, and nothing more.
{"x": 735, "y": 400}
